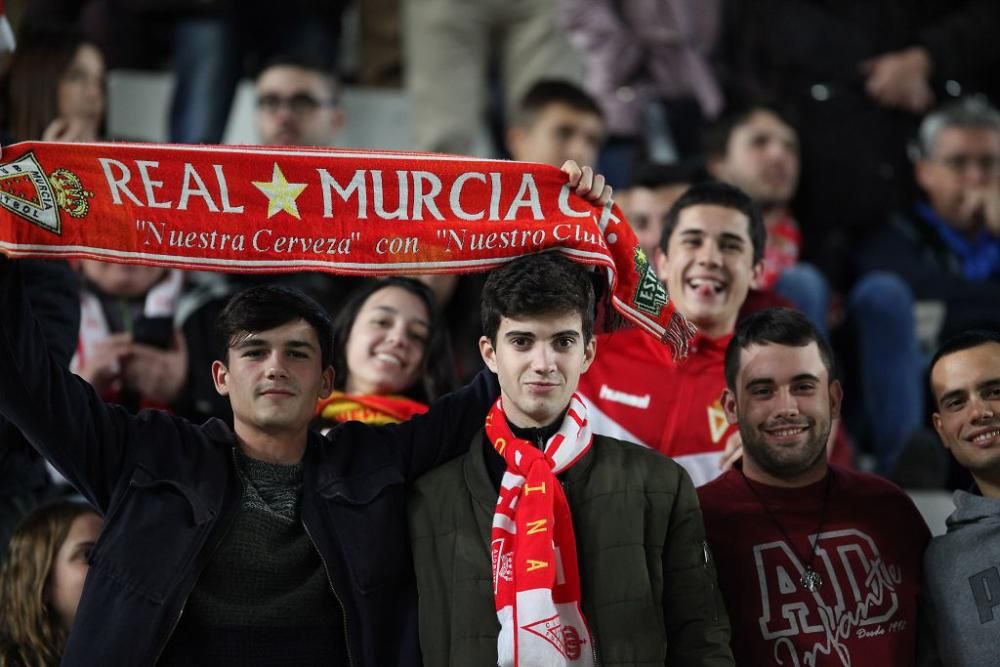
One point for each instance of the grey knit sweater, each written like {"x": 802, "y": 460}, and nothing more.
{"x": 264, "y": 597}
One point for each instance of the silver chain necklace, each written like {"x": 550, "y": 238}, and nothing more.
{"x": 810, "y": 579}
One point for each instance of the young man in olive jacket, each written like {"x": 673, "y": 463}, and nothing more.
{"x": 596, "y": 546}
{"x": 264, "y": 543}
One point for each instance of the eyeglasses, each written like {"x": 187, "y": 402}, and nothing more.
{"x": 989, "y": 164}
{"x": 299, "y": 104}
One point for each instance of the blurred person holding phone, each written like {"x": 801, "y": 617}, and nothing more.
{"x": 131, "y": 346}
{"x": 146, "y": 336}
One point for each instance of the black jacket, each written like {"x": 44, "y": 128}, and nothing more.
{"x": 169, "y": 488}
{"x": 53, "y": 290}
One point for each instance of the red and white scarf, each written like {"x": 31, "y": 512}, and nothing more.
{"x": 278, "y": 210}
{"x": 536, "y": 580}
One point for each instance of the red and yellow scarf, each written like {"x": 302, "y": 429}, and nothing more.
{"x": 536, "y": 580}
{"x": 388, "y": 409}
{"x": 276, "y": 210}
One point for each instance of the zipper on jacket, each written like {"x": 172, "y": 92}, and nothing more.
{"x": 180, "y": 614}
{"x": 343, "y": 609}
{"x": 177, "y": 621}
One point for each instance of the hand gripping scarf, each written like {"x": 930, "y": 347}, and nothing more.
{"x": 278, "y": 210}
{"x": 536, "y": 581}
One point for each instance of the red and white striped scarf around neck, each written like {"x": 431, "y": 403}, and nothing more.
{"x": 536, "y": 580}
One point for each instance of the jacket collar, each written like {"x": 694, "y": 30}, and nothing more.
{"x": 704, "y": 345}
{"x": 219, "y": 432}
{"x": 477, "y": 476}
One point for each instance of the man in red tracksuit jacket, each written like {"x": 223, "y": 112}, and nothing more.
{"x": 710, "y": 253}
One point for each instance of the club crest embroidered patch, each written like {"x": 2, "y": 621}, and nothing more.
{"x": 27, "y": 192}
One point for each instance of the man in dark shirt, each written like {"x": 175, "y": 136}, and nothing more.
{"x": 262, "y": 543}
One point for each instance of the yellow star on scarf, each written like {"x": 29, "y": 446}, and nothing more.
{"x": 281, "y": 194}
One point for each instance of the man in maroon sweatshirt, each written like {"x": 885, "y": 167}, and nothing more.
{"x": 818, "y": 564}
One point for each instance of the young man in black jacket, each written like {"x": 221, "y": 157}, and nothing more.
{"x": 261, "y": 544}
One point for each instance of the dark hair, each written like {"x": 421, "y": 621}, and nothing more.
{"x": 547, "y": 283}
{"x": 266, "y": 307}
{"x": 29, "y": 98}
{"x": 437, "y": 372}
{"x": 715, "y": 193}
{"x": 961, "y": 341}
{"x": 782, "y": 326}
{"x": 716, "y": 135}
{"x": 308, "y": 63}
{"x": 652, "y": 175}
{"x": 554, "y": 91}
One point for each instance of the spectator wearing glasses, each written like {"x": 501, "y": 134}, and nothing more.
{"x": 947, "y": 246}
{"x": 297, "y": 104}
{"x": 216, "y": 41}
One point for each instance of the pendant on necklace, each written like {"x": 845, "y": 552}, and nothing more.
{"x": 811, "y": 580}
